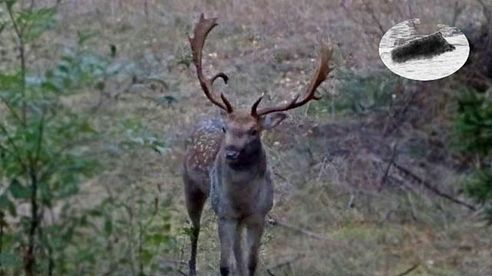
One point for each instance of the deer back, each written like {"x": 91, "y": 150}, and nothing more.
{"x": 201, "y": 150}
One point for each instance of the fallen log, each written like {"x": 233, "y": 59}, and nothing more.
{"x": 424, "y": 47}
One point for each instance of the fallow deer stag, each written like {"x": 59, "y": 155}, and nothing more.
{"x": 226, "y": 160}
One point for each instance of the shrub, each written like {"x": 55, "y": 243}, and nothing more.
{"x": 365, "y": 94}
{"x": 43, "y": 146}
{"x": 474, "y": 137}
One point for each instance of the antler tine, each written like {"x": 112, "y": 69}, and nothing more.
{"x": 202, "y": 28}
{"x": 309, "y": 94}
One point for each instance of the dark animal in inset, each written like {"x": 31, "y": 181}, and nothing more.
{"x": 424, "y": 47}
{"x": 226, "y": 159}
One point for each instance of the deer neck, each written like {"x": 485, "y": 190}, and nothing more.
{"x": 251, "y": 167}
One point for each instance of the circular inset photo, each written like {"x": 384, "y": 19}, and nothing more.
{"x": 419, "y": 51}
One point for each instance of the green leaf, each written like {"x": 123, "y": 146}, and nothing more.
{"x": 108, "y": 227}
{"x": 10, "y": 3}
{"x": 10, "y": 82}
{"x": 12, "y": 209}
{"x": 146, "y": 256}
{"x": 36, "y": 22}
{"x": 157, "y": 239}
{"x": 9, "y": 260}
{"x": 84, "y": 36}
{"x": 18, "y": 191}
{"x": 4, "y": 202}
{"x": 95, "y": 213}
{"x": 50, "y": 86}
{"x": 63, "y": 68}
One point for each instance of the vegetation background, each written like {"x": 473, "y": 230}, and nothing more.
{"x": 383, "y": 176}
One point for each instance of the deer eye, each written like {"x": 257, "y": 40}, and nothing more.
{"x": 253, "y": 132}
{"x": 224, "y": 130}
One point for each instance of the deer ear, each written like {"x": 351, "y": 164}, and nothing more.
{"x": 272, "y": 120}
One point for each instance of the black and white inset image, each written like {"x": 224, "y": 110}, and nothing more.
{"x": 420, "y": 51}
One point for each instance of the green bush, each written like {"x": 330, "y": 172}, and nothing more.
{"x": 360, "y": 95}
{"x": 49, "y": 147}
{"x": 44, "y": 153}
{"x": 474, "y": 137}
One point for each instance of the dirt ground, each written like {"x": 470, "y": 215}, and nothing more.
{"x": 352, "y": 192}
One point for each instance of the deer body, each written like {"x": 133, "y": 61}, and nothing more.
{"x": 238, "y": 194}
{"x": 241, "y": 192}
{"x": 226, "y": 160}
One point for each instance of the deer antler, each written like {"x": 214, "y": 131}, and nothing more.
{"x": 202, "y": 28}
{"x": 309, "y": 94}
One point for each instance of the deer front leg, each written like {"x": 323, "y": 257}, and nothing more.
{"x": 238, "y": 251}
{"x": 227, "y": 232}
{"x": 254, "y": 231}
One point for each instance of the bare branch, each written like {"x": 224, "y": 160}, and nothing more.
{"x": 275, "y": 222}
{"x": 432, "y": 188}
{"x": 412, "y": 268}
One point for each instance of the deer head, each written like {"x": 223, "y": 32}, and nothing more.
{"x": 243, "y": 128}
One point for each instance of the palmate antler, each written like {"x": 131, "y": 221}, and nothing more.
{"x": 309, "y": 94}
{"x": 202, "y": 28}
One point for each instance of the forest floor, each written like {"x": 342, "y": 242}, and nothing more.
{"x": 351, "y": 192}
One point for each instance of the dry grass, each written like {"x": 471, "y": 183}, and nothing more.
{"x": 351, "y": 224}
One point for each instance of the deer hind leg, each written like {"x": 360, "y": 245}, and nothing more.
{"x": 195, "y": 200}
{"x": 254, "y": 231}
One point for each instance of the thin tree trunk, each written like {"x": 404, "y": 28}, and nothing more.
{"x": 2, "y": 272}
{"x": 30, "y": 259}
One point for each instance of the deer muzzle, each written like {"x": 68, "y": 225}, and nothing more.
{"x": 232, "y": 154}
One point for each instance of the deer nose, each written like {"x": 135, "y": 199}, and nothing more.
{"x": 231, "y": 154}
